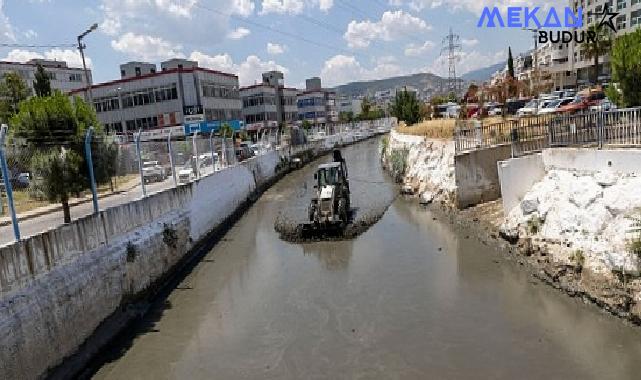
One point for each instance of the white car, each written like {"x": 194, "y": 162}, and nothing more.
{"x": 186, "y": 174}
{"x": 152, "y": 171}
{"x": 554, "y": 105}
{"x": 497, "y": 111}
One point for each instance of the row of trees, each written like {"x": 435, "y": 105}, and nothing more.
{"x": 52, "y": 127}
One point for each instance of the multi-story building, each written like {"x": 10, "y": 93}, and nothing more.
{"x": 61, "y": 76}
{"x": 269, "y": 104}
{"x": 317, "y": 105}
{"x": 181, "y": 97}
{"x": 349, "y": 105}
{"x": 570, "y": 66}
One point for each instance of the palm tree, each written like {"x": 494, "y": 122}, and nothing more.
{"x": 226, "y": 130}
{"x": 598, "y": 47}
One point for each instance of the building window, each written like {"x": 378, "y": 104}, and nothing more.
{"x": 214, "y": 90}
{"x": 149, "y": 95}
{"x": 621, "y": 22}
{"x": 635, "y": 18}
{"x": 75, "y": 77}
{"x": 138, "y": 73}
{"x": 122, "y": 73}
{"x": 621, "y": 4}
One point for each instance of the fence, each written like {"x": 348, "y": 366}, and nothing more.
{"x": 532, "y": 134}
{"x": 70, "y": 176}
{"x": 97, "y": 171}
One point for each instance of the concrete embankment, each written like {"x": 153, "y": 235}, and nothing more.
{"x": 566, "y": 212}
{"x": 67, "y": 292}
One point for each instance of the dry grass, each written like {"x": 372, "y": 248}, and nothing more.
{"x": 434, "y": 129}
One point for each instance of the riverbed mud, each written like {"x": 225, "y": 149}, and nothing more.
{"x": 372, "y": 192}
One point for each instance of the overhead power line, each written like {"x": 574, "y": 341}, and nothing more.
{"x": 30, "y": 46}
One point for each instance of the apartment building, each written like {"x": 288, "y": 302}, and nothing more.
{"x": 61, "y": 76}
{"x": 269, "y": 104}
{"x": 347, "y": 104}
{"x": 570, "y": 67}
{"x": 316, "y": 104}
{"x": 182, "y": 97}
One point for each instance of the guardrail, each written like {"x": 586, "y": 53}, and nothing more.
{"x": 532, "y": 134}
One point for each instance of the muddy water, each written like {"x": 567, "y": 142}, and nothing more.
{"x": 411, "y": 298}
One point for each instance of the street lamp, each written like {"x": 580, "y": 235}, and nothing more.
{"x": 82, "y": 48}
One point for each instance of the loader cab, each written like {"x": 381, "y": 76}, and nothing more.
{"x": 328, "y": 175}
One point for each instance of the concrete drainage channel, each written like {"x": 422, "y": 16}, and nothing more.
{"x": 138, "y": 253}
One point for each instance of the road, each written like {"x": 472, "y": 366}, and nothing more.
{"x": 45, "y": 222}
{"x": 412, "y": 298}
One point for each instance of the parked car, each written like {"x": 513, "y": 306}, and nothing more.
{"x": 152, "y": 171}
{"x": 186, "y": 174}
{"x": 604, "y": 105}
{"x": 531, "y": 108}
{"x": 554, "y": 106}
{"x": 583, "y": 102}
{"x": 513, "y": 105}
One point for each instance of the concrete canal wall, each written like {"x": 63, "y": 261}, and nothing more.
{"x": 58, "y": 287}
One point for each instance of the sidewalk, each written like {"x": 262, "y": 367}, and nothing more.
{"x": 40, "y": 211}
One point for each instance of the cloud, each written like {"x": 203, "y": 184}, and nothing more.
{"x": 30, "y": 34}
{"x": 173, "y": 21}
{"x": 249, "y": 71}
{"x": 238, "y": 33}
{"x": 294, "y": 7}
{"x": 413, "y": 50}
{"x": 469, "y": 42}
{"x": 346, "y": 68}
{"x": 475, "y": 6}
{"x": 147, "y": 48}
{"x": 6, "y": 29}
{"x": 275, "y": 49}
{"x": 72, "y": 57}
{"x": 243, "y": 8}
{"x": 392, "y": 24}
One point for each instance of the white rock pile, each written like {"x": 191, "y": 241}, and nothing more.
{"x": 586, "y": 213}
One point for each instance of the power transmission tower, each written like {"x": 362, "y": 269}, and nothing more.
{"x": 451, "y": 49}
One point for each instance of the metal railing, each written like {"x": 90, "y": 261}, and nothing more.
{"x": 113, "y": 173}
{"x": 620, "y": 128}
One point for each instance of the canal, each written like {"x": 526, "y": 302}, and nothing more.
{"x": 411, "y": 298}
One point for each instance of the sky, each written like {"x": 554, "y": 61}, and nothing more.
{"x": 339, "y": 40}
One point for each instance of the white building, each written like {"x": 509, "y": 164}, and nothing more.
{"x": 180, "y": 97}
{"x": 269, "y": 104}
{"x": 347, "y": 105}
{"x": 61, "y": 76}
{"x": 570, "y": 67}
{"x": 317, "y": 105}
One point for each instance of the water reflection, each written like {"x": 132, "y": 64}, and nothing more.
{"x": 334, "y": 256}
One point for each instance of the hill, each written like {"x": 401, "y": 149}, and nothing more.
{"x": 426, "y": 83}
{"x": 483, "y": 74}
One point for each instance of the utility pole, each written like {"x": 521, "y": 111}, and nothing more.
{"x": 451, "y": 49}
{"x": 81, "y": 48}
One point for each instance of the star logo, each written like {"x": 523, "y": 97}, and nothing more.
{"x": 607, "y": 18}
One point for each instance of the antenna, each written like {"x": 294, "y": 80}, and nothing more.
{"x": 451, "y": 49}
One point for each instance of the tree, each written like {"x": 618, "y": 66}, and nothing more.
{"x": 13, "y": 90}
{"x": 598, "y": 47}
{"x": 625, "y": 64}
{"x": 226, "y": 130}
{"x": 366, "y": 107}
{"x": 510, "y": 63}
{"x": 54, "y": 129}
{"x": 406, "y": 107}
{"x": 42, "y": 84}
{"x": 306, "y": 125}
{"x": 346, "y": 116}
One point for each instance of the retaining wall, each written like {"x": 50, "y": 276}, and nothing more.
{"x": 477, "y": 178}
{"x": 56, "y": 288}
{"x": 518, "y": 175}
